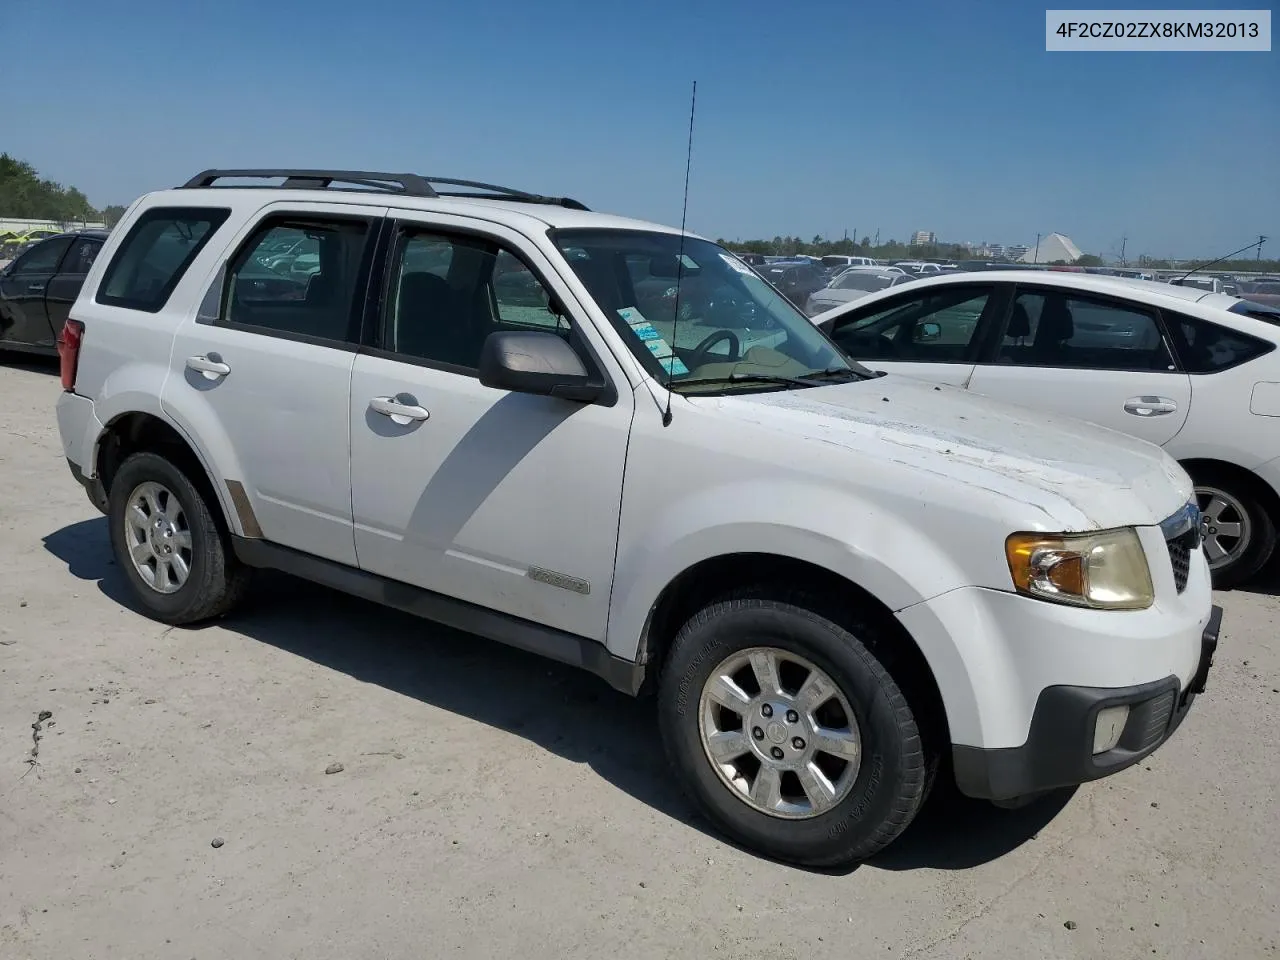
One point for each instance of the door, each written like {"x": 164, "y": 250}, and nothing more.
{"x": 506, "y": 500}
{"x": 933, "y": 334}
{"x": 23, "y": 318}
{"x": 267, "y": 362}
{"x": 1097, "y": 358}
{"x": 65, "y": 285}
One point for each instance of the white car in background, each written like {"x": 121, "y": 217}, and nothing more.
{"x": 1193, "y": 371}
{"x": 854, "y": 284}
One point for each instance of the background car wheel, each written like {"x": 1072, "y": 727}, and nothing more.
{"x": 171, "y": 547}
{"x": 1239, "y": 534}
{"x": 789, "y": 733}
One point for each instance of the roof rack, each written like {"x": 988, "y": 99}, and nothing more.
{"x": 408, "y": 184}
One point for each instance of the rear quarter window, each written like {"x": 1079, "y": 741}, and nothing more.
{"x": 1205, "y": 347}
{"x": 154, "y": 255}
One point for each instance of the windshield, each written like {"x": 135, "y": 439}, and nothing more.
{"x": 733, "y": 332}
{"x": 861, "y": 280}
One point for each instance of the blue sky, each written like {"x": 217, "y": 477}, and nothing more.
{"x": 812, "y": 118}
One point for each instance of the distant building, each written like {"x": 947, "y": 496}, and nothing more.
{"x": 1014, "y": 251}
{"x": 924, "y": 238}
{"x": 1051, "y": 249}
{"x": 993, "y": 250}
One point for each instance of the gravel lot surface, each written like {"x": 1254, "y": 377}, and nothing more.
{"x": 490, "y": 804}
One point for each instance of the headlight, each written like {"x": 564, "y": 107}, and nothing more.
{"x": 1106, "y": 570}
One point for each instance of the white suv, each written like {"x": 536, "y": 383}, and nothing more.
{"x": 488, "y": 408}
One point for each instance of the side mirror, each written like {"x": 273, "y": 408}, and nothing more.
{"x": 539, "y": 363}
{"x": 927, "y": 330}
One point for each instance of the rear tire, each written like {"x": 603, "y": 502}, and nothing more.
{"x": 171, "y": 547}
{"x": 1234, "y": 502}
{"x": 862, "y": 808}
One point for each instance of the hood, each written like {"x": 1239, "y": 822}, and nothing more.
{"x": 1076, "y": 475}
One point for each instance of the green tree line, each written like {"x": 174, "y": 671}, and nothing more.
{"x": 24, "y": 194}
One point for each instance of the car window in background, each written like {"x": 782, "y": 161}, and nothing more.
{"x": 1207, "y": 348}
{"x": 1059, "y": 329}
{"x": 864, "y": 280}
{"x": 938, "y": 327}
{"x": 1259, "y": 311}
{"x": 82, "y": 255}
{"x": 43, "y": 257}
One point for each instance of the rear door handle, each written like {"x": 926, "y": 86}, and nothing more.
{"x": 403, "y": 408}
{"x": 210, "y": 366}
{"x": 1149, "y": 406}
{"x": 35, "y": 287}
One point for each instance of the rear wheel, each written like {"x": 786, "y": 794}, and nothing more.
{"x": 790, "y": 733}
{"x": 175, "y": 554}
{"x": 1238, "y": 532}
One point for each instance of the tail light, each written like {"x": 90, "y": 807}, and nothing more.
{"x": 69, "y": 351}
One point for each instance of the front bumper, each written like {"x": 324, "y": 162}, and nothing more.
{"x": 1059, "y": 748}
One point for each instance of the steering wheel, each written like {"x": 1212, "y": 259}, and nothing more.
{"x": 700, "y": 351}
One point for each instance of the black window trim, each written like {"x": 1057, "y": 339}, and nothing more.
{"x": 993, "y": 317}
{"x": 217, "y": 217}
{"x": 988, "y": 357}
{"x": 398, "y": 233}
{"x": 360, "y": 293}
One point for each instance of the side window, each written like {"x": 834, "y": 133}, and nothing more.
{"x": 298, "y": 275}
{"x": 154, "y": 255}
{"x": 1205, "y": 347}
{"x": 82, "y": 256}
{"x": 520, "y": 299}
{"x": 1054, "y": 328}
{"x": 937, "y": 327}
{"x": 43, "y": 257}
{"x": 448, "y": 293}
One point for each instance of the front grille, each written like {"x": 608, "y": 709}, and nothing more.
{"x": 1180, "y": 557}
{"x": 1182, "y": 537}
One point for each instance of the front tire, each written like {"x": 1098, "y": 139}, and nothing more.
{"x": 172, "y": 549}
{"x": 790, "y": 733}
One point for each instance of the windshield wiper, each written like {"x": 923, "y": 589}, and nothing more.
{"x": 746, "y": 378}
{"x": 842, "y": 373}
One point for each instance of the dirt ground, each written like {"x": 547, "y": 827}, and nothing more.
{"x": 492, "y": 804}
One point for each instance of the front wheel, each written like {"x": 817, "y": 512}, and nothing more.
{"x": 790, "y": 733}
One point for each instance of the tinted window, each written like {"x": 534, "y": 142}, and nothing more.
{"x": 299, "y": 276}
{"x": 82, "y": 256}
{"x": 1059, "y": 329}
{"x": 939, "y": 327}
{"x": 1205, "y": 347}
{"x": 449, "y": 293}
{"x": 43, "y": 257}
{"x": 155, "y": 254}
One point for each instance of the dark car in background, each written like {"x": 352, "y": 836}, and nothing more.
{"x": 38, "y": 289}
{"x": 796, "y": 280}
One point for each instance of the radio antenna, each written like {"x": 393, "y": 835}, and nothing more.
{"x": 684, "y": 212}
{"x": 1249, "y": 246}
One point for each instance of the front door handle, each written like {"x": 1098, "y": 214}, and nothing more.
{"x": 1149, "y": 406}
{"x": 34, "y": 287}
{"x": 403, "y": 408}
{"x": 210, "y": 366}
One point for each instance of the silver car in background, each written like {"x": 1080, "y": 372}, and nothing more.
{"x": 854, "y": 284}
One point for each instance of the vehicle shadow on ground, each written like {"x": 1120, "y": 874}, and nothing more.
{"x": 561, "y": 709}
{"x": 33, "y": 362}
